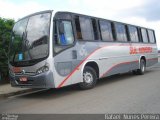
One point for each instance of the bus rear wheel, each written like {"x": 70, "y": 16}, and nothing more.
{"x": 89, "y": 78}
{"x": 142, "y": 68}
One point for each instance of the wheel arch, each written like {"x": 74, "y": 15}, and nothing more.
{"x": 92, "y": 64}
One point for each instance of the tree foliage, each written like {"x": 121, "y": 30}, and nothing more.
{"x": 5, "y": 36}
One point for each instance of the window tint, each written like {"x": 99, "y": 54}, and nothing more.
{"x": 120, "y": 32}
{"x": 95, "y": 29}
{"x": 144, "y": 35}
{"x": 151, "y": 36}
{"x": 106, "y": 30}
{"x": 86, "y": 28}
{"x": 66, "y": 38}
{"x": 133, "y": 33}
{"x": 78, "y": 28}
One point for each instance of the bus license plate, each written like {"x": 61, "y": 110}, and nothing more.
{"x": 23, "y": 79}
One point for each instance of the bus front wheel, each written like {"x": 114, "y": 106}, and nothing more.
{"x": 89, "y": 78}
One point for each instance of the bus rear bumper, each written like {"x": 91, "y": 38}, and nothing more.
{"x": 44, "y": 80}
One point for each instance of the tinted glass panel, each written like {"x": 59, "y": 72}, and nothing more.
{"x": 63, "y": 35}
{"x": 144, "y": 35}
{"x": 86, "y": 28}
{"x": 95, "y": 29}
{"x": 39, "y": 38}
{"x": 151, "y": 36}
{"x": 78, "y": 28}
{"x": 133, "y": 34}
{"x": 66, "y": 38}
{"x": 120, "y": 32}
{"x": 106, "y": 31}
{"x": 30, "y": 40}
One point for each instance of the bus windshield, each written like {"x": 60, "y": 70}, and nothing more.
{"x": 30, "y": 40}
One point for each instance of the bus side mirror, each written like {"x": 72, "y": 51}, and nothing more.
{"x": 61, "y": 28}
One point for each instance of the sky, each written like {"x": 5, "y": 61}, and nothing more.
{"x": 137, "y": 12}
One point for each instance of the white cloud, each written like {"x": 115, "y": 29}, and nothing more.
{"x": 104, "y": 8}
{"x": 16, "y": 11}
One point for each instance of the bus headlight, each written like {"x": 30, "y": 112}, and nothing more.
{"x": 42, "y": 70}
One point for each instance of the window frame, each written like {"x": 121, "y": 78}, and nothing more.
{"x": 75, "y": 28}
{"x": 92, "y": 33}
{"x": 55, "y": 28}
{"x": 141, "y": 28}
{"x": 111, "y": 31}
{"x": 153, "y": 36}
{"x": 97, "y": 27}
{"x": 137, "y": 34}
{"x": 116, "y": 35}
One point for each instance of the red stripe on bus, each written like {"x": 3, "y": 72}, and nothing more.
{"x": 61, "y": 84}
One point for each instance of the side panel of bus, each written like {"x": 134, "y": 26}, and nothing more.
{"x": 111, "y": 57}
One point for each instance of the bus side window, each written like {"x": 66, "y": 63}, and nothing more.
{"x": 121, "y": 32}
{"x": 139, "y": 34}
{"x": 106, "y": 30}
{"x": 65, "y": 33}
{"x": 144, "y": 35}
{"x": 95, "y": 28}
{"x": 84, "y": 28}
{"x": 63, "y": 36}
{"x": 127, "y": 33}
{"x": 113, "y": 31}
{"x": 78, "y": 28}
{"x": 151, "y": 36}
{"x": 133, "y": 33}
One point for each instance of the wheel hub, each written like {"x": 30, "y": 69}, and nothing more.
{"x": 88, "y": 78}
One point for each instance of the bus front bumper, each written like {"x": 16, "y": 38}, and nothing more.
{"x": 44, "y": 80}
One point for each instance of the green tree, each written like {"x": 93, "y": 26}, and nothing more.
{"x": 5, "y": 36}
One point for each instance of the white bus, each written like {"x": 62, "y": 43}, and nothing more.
{"x": 54, "y": 49}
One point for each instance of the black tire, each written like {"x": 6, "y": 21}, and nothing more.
{"x": 89, "y": 78}
{"x": 134, "y": 72}
{"x": 142, "y": 68}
